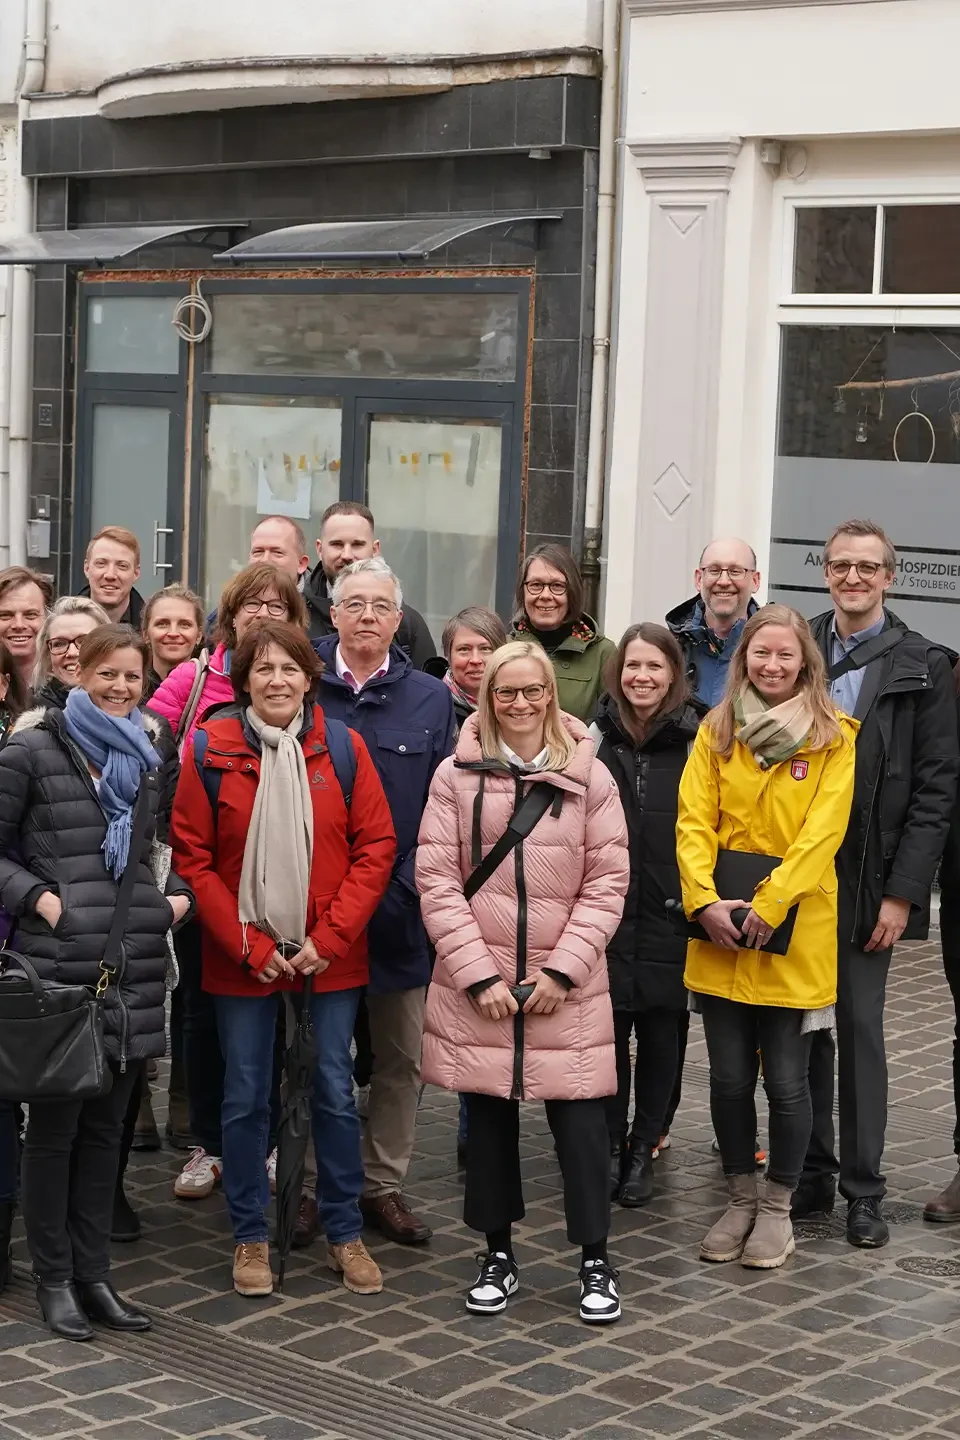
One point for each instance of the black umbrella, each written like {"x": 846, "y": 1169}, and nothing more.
{"x": 296, "y": 1117}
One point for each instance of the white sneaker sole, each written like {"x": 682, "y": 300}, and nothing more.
{"x": 195, "y": 1192}
{"x": 496, "y": 1309}
{"x": 607, "y": 1319}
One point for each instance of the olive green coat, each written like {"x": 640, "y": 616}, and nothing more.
{"x": 579, "y": 663}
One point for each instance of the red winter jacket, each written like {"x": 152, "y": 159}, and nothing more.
{"x": 352, "y": 857}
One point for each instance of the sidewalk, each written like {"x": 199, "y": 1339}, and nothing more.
{"x": 839, "y": 1343}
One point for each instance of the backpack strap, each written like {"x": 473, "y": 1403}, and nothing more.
{"x": 202, "y": 664}
{"x": 864, "y": 653}
{"x": 343, "y": 757}
{"x": 209, "y": 777}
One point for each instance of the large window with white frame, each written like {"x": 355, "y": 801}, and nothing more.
{"x": 868, "y": 414}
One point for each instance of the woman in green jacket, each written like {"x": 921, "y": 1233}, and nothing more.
{"x": 550, "y": 611}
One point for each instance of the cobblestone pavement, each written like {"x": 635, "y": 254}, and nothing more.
{"x": 839, "y": 1343}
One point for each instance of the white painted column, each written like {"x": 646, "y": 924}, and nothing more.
{"x": 676, "y": 358}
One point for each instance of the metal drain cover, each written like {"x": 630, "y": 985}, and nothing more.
{"x": 929, "y": 1265}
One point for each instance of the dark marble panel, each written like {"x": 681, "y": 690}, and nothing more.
{"x": 540, "y": 111}
{"x": 549, "y": 501}
{"x": 553, "y": 437}
{"x": 493, "y": 115}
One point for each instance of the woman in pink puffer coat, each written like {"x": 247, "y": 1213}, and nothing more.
{"x": 543, "y": 920}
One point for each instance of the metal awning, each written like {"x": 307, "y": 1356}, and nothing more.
{"x": 98, "y": 245}
{"x": 389, "y": 240}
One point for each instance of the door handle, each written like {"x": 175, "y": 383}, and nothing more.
{"x": 160, "y": 565}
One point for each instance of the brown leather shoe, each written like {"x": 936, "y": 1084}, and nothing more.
{"x": 391, "y": 1216}
{"x": 945, "y": 1207}
{"x": 308, "y": 1223}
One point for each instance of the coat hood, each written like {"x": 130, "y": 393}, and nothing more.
{"x": 688, "y": 619}
{"x": 315, "y": 592}
{"x": 31, "y": 720}
{"x": 586, "y": 632}
{"x": 576, "y": 776}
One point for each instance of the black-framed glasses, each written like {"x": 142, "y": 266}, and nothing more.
{"x": 383, "y": 609}
{"x": 506, "y": 694}
{"x": 840, "y": 569}
{"x": 735, "y": 572}
{"x": 276, "y": 609}
{"x": 537, "y": 587}
{"x": 60, "y": 644}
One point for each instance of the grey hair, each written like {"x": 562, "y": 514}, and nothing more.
{"x": 66, "y": 605}
{"x": 375, "y": 565}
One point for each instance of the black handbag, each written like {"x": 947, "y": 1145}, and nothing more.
{"x": 51, "y": 1034}
{"x": 736, "y": 876}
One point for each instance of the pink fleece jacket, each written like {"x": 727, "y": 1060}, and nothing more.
{"x": 171, "y": 695}
{"x": 576, "y": 870}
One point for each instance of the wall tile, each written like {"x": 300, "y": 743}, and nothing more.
{"x": 553, "y": 433}
{"x": 582, "y": 111}
{"x": 47, "y": 305}
{"x": 556, "y": 372}
{"x": 540, "y": 111}
{"x": 493, "y": 115}
{"x": 47, "y": 362}
{"x": 549, "y": 501}
{"x": 446, "y": 120}
{"x": 557, "y": 308}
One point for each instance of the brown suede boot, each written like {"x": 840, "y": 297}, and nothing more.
{"x": 945, "y": 1207}
{"x": 771, "y": 1239}
{"x": 727, "y": 1238}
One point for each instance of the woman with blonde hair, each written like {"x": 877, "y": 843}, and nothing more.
{"x": 770, "y": 774}
{"x": 519, "y": 1006}
{"x": 57, "y": 669}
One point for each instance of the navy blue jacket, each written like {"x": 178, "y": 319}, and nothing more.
{"x": 407, "y": 721}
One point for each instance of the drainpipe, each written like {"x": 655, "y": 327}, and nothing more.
{"x": 20, "y": 293}
{"x": 602, "y": 306}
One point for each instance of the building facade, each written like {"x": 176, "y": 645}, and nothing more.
{"x": 434, "y": 363}
{"x": 787, "y": 351}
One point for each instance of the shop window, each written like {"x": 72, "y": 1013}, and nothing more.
{"x": 264, "y": 455}
{"x": 834, "y": 250}
{"x": 869, "y": 425}
{"x": 409, "y": 335}
{"x": 921, "y": 249}
{"x": 131, "y": 334}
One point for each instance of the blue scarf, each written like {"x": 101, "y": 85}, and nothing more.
{"x": 120, "y": 750}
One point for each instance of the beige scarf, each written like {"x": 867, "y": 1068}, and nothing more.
{"x": 772, "y": 732}
{"x": 275, "y": 877}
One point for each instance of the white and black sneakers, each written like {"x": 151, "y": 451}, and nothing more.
{"x": 599, "y": 1296}
{"x": 494, "y": 1285}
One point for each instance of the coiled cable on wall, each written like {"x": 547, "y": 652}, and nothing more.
{"x": 184, "y": 308}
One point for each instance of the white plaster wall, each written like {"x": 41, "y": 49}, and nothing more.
{"x": 797, "y": 70}
{"x": 11, "y": 48}
{"x": 93, "y": 40}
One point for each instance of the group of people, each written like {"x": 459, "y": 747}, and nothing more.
{"x": 497, "y": 870}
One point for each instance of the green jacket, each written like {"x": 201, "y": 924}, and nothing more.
{"x": 578, "y": 663}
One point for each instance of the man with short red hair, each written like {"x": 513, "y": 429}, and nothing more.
{"x": 112, "y": 568}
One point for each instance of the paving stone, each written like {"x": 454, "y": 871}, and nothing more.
{"x": 18, "y": 1367}
{"x": 494, "y": 1402}
{"x": 753, "y": 1425}
{"x": 27, "y": 1394}
{"x": 104, "y": 1375}
{"x": 888, "y": 1420}
{"x": 634, "y": 1389}
{"x": 280, "y": 1428}
{"x": 115, "y": 1405}
{"x": 378, "y": 1364}
{"x": 48, "y": 1420}
{"x": 447, "y": 1376}
{"x": 798, "y": 1409}
{"x": 196, "y": 1419}
{"x": 928, "y": 1400}
{"x": 547, "y": 1379}
{"x": 332, "y": 1344}
{"x": 436, "y": 1344}
{"x": 172, "y": 1392}
{"x": 572, "y": 1415}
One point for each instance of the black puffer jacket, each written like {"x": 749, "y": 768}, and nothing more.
{"x": 51, "y": 820}
{"x": 906, "y": 778}
{"x": 645, "y": 958}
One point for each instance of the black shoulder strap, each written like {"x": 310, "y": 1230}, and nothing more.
{"x": 111, "y": 953}
{"x": 864, "y": 653}
{"x": 528, "y": 813}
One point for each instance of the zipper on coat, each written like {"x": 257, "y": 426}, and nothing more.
{"x": 521, "y": 959}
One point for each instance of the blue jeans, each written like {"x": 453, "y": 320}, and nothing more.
{"x": 247, "y": 1026}
{"x": 9, "y": 1151}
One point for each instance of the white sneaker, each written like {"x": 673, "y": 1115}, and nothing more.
{"x": 496, "y": 1282}
{"x": 363, "y": 1101}
{"x": 200, "y": 1176}
{"x": 272, "y": 1170}
{"x": 599, "y": 1296}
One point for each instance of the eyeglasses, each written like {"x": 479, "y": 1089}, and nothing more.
{"x": 60, "y": 646}
{"x": 276, "y": 609}
{"x": 537, "y": 587}
{"x": 840, "y": 569}
{"x": 382, "y": 609}
{"x": 735, "y": 572}
{"x": 506, "y": 694}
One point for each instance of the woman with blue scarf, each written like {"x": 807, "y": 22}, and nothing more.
{"x": 70, "y": 782}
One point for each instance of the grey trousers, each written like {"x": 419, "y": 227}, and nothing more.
{"x": 862, "y": 1073}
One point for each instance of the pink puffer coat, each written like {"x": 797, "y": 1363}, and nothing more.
{"x": 575, "y": 869}
{"x": 171, "y": 695}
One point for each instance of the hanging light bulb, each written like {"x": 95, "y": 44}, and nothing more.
{"x": 861, "y": 432}
{"x": 840, "y": 404}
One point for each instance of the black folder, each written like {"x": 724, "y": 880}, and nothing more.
{"x": 736, "y": 876}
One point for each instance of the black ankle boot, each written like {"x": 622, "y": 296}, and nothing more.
{"x": 60, "y": 1307}
{"x": 637, "y": 1187}
{"x": 102, "y": 1303}
{"x": 7, "y": 1211}
{"x": 618, "y": 1160}
{"x": 125, "y": 1225}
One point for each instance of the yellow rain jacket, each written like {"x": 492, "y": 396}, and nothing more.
{"x": 798, "y": 809}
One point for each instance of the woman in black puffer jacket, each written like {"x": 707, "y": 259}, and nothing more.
{"x": 70, "y": 780}
{"x": 644, "y": 729}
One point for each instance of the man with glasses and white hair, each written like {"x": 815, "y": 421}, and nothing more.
{"x": 407, "y": 721}
{"x": 900, "y": 688}
{"x": 708, "y": 626}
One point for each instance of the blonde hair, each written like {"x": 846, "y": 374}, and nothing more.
{"x": 66, "y": 605}
{"x": 811, "y": 682}
{"x": 559, "y": 744}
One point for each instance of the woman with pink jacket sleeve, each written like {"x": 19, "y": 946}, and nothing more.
{"x": 519, "y": 1006}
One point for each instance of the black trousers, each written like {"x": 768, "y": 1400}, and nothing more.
{"x": 862, "y": 1073}
{"x": 493, "y": 1192}
{"x": 70, "y": 1160}
{"x": 363, "y": 1058}
{"x": 735, "y": 1033}
{"x": 202, "y": 1060}
{"x": 654, "y": 1078}
{"x": 950, "y": 936}
{"x": 683, "y": 1032}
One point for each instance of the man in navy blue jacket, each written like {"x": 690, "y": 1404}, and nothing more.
{"x": 407, "y": 721}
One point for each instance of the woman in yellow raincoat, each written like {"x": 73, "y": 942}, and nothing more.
{"x": 771, "y": 773}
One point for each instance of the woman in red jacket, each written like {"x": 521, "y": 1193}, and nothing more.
{"x": 286, "y": 879}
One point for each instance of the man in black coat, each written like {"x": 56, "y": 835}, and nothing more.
{"x": 900, "y": 687}
{"x": 347, "y": 534}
